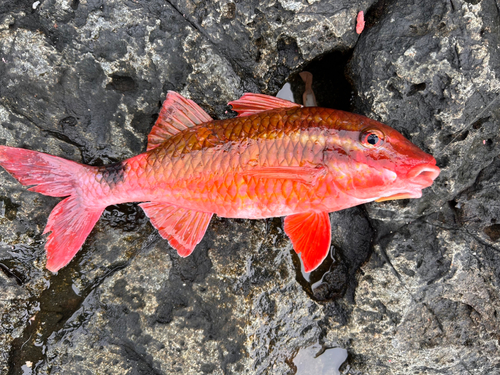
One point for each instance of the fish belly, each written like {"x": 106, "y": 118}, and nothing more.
{"x": 251, "y": 198}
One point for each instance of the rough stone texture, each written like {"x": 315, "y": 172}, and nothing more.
{"x": 84, "y": 80}
{"x": 428, "y": 300}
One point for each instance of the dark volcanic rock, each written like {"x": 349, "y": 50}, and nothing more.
{"x": 84, "y": 80}
{"x": 428, "y": 299}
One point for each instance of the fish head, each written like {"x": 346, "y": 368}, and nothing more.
{"x": 380, "y": 164}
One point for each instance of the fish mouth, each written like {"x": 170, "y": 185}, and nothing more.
{"x": 423, "y": 175}
{"x": 418, "y": 178}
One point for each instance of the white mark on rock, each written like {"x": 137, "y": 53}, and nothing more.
{"x": 35, "y": 4}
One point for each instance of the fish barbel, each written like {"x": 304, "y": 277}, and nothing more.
{"x": 276, "y": 158}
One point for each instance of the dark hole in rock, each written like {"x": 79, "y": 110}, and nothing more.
{"x": 121, "y": 83}
{"x": 456, "y": 137}
{"x": 70, "y": 121}
{"x": 395, "y": 91}
{"x": 330, "y": 85}
{"x": 493, "y": 232}
{"x": 461, "y": 136}
{"x": 8, "y": 208}
{"x": 75, "y": 4}
{"x": 333, "y": 283}
{"x": 473, "y": 2}
{"x": 12, "y": 272}
{"x": 416, "y": 88}
{"x": 288, "y": 51}
{"x": 479, "y": 123}
{"x": 126, "y": 216}
{"x": 259, "y": 42}
{"x": 289, "y": 57}
{"x": 327, "y": 282}
{"x": 376, "y": 12}
{"x": 443, "y": 161}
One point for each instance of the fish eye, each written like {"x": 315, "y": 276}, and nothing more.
{"x": 372, "y": 138}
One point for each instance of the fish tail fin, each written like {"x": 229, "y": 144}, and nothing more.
{"x": 71, "y": 221}
{"x": 46, "y": 174}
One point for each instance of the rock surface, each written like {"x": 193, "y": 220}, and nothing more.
{"x": 411, "y": 287}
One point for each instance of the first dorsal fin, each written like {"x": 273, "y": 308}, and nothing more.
{"x": 250, "y": 104}
{"x": 177, "y": 114}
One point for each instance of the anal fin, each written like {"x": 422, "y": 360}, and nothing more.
{"x": 183, "y": 228}
{"x": 310, "y": 234}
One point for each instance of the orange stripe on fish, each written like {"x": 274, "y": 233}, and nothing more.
{"x": 276, "y": 158}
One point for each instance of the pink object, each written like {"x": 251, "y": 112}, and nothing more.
{"x": 360, "y": 22}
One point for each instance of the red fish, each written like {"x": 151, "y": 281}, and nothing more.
{"x": 276, "y": 158}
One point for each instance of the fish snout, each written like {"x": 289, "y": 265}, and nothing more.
{"x": 424, "y": 174}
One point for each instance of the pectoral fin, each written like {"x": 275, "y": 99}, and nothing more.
{"x": 310, "y": 234}
{"x": 183, "y": 228}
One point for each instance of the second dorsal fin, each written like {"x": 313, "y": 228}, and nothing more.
{"x": 177, "y": 114}
{"x": 250, "y": 104}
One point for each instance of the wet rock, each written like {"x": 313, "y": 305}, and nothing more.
{"x": 437, "y": 302}
{"x": 84, "y": 80}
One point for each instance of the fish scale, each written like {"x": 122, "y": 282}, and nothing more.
{"x": 262, "y": 142}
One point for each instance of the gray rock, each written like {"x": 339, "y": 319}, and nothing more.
{"x": 411, "y": 287}
{"x": 427, "y": 301}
